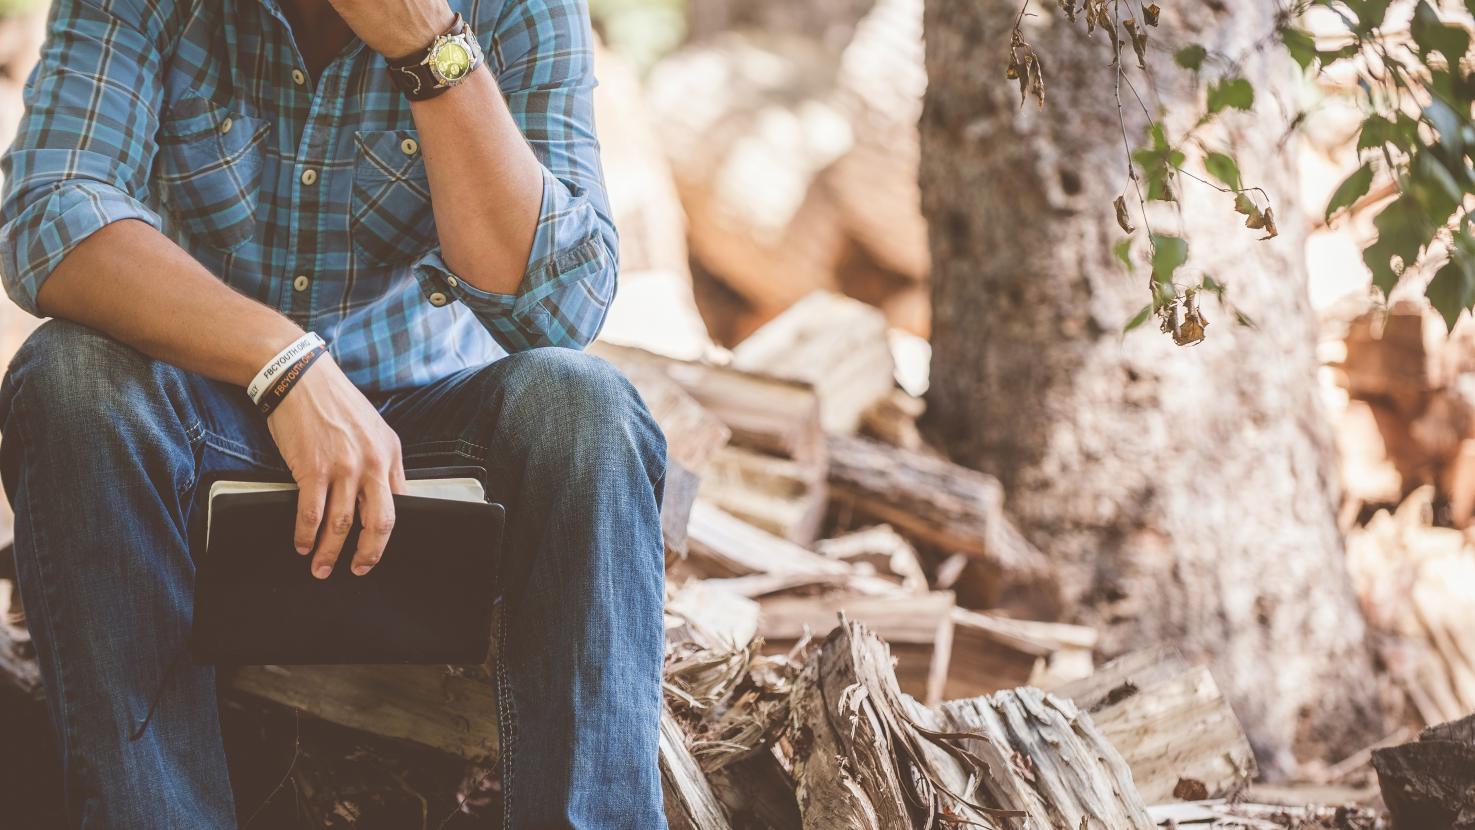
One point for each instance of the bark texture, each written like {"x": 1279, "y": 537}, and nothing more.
{"x": 1187, "y": 494}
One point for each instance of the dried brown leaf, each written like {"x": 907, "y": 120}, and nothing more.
{"x": 1122, "y": 219}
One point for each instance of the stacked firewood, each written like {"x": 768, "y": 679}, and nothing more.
{"x": 1405, "y": 391}
{"x": 856, "y": 634}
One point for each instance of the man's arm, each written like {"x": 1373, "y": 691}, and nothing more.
{"x": 526, "y": 238}
{"x": 78, "y": 242}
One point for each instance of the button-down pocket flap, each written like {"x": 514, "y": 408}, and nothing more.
{"x": 390, "y": 219}
{"x": 210, "y": 161}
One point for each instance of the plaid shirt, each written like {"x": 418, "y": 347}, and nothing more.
{"x": 308, "y": 194}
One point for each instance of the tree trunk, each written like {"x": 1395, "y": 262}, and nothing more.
{"x": 1187, "y": 493}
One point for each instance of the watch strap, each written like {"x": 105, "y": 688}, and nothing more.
{"x": 413, "y": 74}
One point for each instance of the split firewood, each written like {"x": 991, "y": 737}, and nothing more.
{"x": 991, "y": 652}
{"x": 693, "y": 435}
{"x": 865, "y": 756}
{"x": 762, "y": 563}
{"x": 834, "y": 343}
{"x": 747, "y": 161}
{"x": 893, "y": 420}
{"x": 766, "y": 414}
{"x": 881, "y": 550}
{"x": 710, "y": 617}
{"x": 1145, "y": 703}
{"x": 18, "y": 667}
{"x": 1394, "y": 355}
{"x": 655, "y": 307}
{"x": 690, "y": 802}
{"x": 947, "y": 508}
{"x": 758, "y": 793}
{"x": 917, "y": 628}
{"x": 1429, "y": 784}
{"x": 784, "y": 497}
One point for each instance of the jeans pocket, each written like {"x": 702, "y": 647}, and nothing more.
{"x": 390, "y": 219}
{"x": 210, "y": 160}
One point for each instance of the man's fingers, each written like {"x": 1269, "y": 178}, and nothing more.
{"x": 337, "y": 522}
{"x": 376, "y": 514}
{"x": 310, "y": 497}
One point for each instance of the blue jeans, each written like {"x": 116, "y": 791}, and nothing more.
{"x": 101, "y": 454}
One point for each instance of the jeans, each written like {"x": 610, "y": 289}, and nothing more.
{"x": 102, "y": 450}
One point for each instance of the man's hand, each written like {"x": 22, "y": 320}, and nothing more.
{"x": 395, "y": 28}
{"x": 341, "y": 453}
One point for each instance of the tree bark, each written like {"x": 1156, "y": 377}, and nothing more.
{"x": 1186, "y": 493}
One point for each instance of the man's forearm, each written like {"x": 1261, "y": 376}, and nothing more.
{"x": 139, "y": 287}
{"x": 487, "y": 185}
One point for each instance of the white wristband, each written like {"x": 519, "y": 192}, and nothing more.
{"x": 286, "y": 357}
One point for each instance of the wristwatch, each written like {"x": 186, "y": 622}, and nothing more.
{"x": 447, "y": 61}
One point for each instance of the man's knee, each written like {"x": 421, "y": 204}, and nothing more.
{"x": 69, "y": 376}
{"x": 570, "y": 401}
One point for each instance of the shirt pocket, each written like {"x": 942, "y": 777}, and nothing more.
{"x": 210, "y": 161}
{"x": 390, "y": 218}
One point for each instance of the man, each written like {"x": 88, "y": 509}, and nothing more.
{"x": 195, "y": 186}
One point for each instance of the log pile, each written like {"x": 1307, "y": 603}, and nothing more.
{"x": 828, "y": 662}
{"x": 1406, "y": 430}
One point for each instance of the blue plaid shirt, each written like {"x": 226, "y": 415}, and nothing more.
{"x": 308, "y": 194}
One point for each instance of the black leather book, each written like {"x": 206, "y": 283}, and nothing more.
{"x": 429, "y": 600}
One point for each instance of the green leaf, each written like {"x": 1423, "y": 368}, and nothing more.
{"x": 1192, "y": 57}
{"x": 1224, "y": 168}
{"x": 1354, "y": 187}
{"x": 1432, "y": 35}
{"x": 1213, "y": 286}
{"x": 1231, "y": 92}
{"x": 1402, "y": 232}
{"x": 1301, "y": 46}
{"x": 1452, "y": 290}
{"x": 1122, "y": 250}
{"x": 1168, "y": 255}
{"x": 1377, "y": 131}
{"x": 1138, "y": 319}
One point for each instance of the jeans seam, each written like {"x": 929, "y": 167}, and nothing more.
{"x": 458, "y": 446}
{"x": 506, "y": 718}
{"x": 235, "y": 449}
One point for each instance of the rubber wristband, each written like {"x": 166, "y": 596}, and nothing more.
{"x": 286, "y": 357}
{"x": 277, "y": 392}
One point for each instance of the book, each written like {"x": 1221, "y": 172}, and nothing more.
{"x": 429, "y": 600}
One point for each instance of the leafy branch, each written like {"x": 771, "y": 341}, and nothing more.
{"x": 1415, "y": 89}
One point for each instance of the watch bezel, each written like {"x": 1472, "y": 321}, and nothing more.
{"x": 463, "y": 39}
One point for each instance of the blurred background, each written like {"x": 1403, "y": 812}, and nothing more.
{"x": 812, "y": 195}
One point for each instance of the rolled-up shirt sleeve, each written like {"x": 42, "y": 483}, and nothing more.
{"x": 85, "y": 144}
{"x": 545, "y": 49}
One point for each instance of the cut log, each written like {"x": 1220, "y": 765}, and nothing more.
{"x": 1393, "y": 354}
{"x": 1065, "y": 772}
{"x": 723, "y": 545}
{"x": 766, "y": 414}
{"x": 784, "y": 497}
{"x": 711, "y": 617}
{"x": 1429, "y": 784}
{"x": 1169, "y": 721}
{"x": 917, "y": 628}
{"x": 893, "y": 420}
{"x": 992, "y": 653}
{"x": 865, "y": 756}
{"x": 690, "y": 802}
{"x": 947, "y": 508}
{"x": 836, "y": 344}
{"x": 451, "y": 710}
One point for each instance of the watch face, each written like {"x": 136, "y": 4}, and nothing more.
{"x": 451, "y": 61}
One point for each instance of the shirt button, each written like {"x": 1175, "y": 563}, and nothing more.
{"x": 409, "y": 146}
{"x": 299, "y": 77}
{"x": 225, "y": 125}
{"x": 452, "y": 282}
{"x": 438, "y": 299}
{"x": 301, "y": 282}
{"x": 309, "y": 176}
